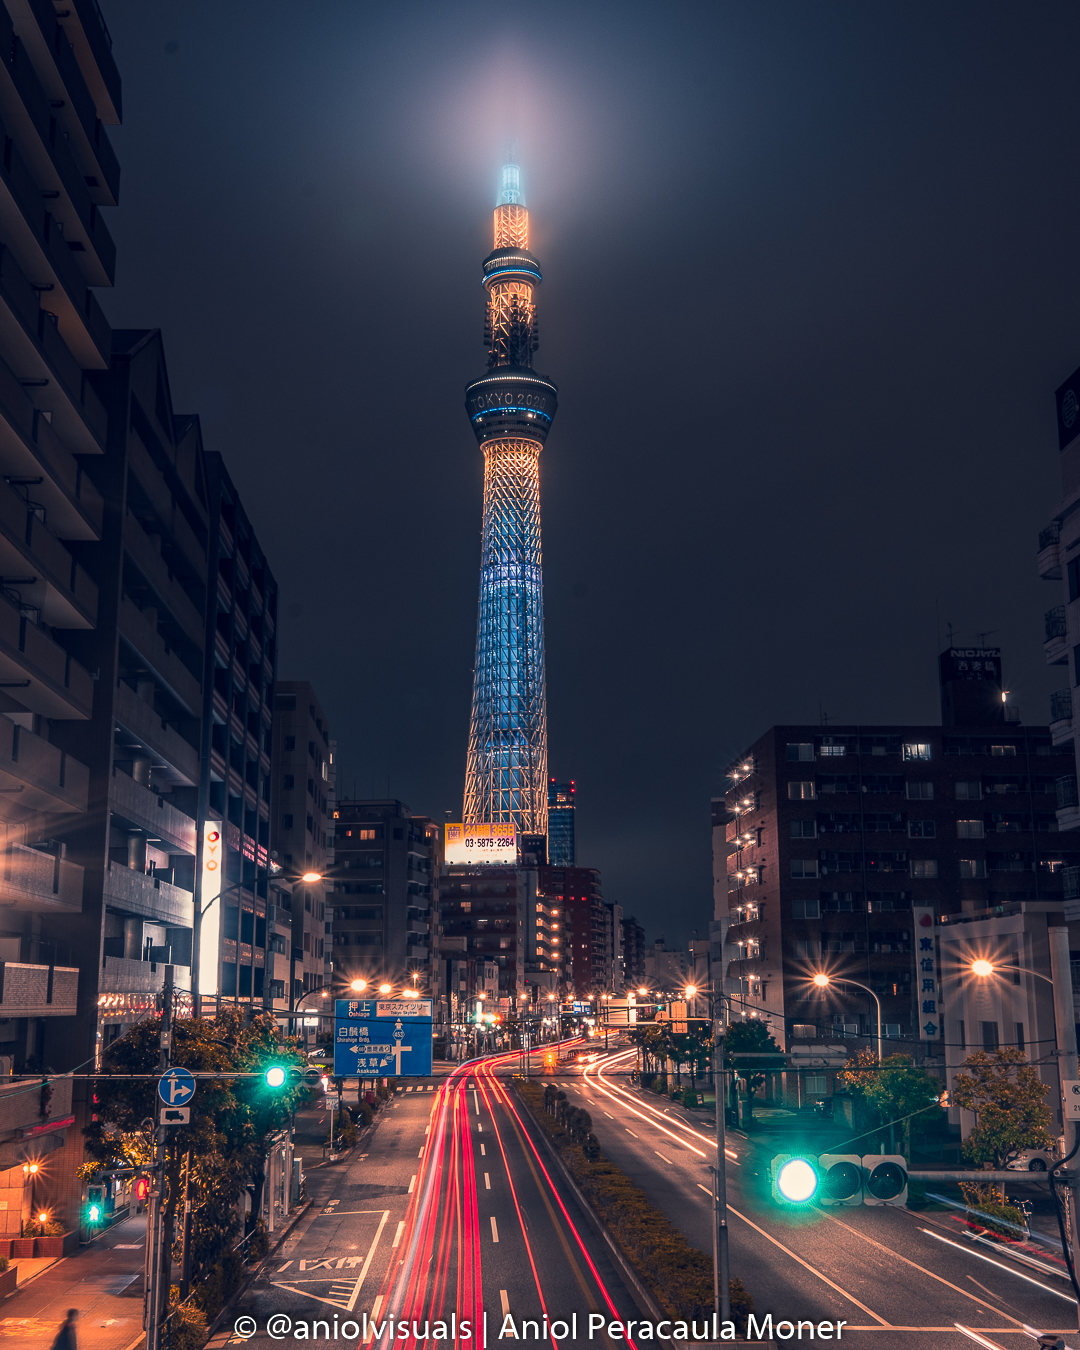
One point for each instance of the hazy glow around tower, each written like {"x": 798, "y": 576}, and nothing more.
{"x": 511, "y": 194}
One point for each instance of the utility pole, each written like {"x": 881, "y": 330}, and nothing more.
{"x": 1065, "y": 1025}
{"x": 152, "y": 1319}
{"x": 721, "y": 1264}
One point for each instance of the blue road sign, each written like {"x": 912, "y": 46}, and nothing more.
{"x": 382, "y": 1036}
{"x": 176, "y": 1088}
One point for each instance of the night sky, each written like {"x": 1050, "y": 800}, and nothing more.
{"x": 810, "y": 282}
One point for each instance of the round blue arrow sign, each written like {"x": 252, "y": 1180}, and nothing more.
{"x": 176, "y": 1088}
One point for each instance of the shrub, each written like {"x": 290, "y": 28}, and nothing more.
{"x": 382, "y": 1092}
{"x": 678, "y": 1275}
{"x": 186, "y": 1327}
{"x": 365, "y": 1114}
{"x": 985, "y": 1206}
{"x": 210, "y": 1296}
{"x": 689, "y": 1098}
{"x": 259, "y": 1242}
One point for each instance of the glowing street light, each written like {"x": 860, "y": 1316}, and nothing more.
{"x": 358, "y": 985}
{"x": 982, "y": 968}
{"x": 691, "y": 991}
{"x": 311, "y": 876}
{"x": 384, "y": 988}
{"x": 823, "y": 981}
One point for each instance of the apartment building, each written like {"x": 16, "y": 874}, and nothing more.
{"x": 845, "y": 846}
{"x": 385, "y": 894}
{"x": 577, "y": 906}
{"x": 302, "y": 834}
{"x": 487, "y": 915}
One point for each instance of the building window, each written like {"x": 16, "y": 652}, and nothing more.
{"x": 969, "y": 792}
{"x": 828, "y": 751}
{"x": 924, "y": 867}
{"x": 989, "y": 1037}
{"x": 805, "y": 909}
{"x": 367, "y": 834}
{"x": 816, "y": 1084}
{"x": 972, "y": 868}
{"x": 286, "y": 821}
{"x": 808, "y": 947}
{"x": 290, "y": 742}
{"x": 920, "y": 792}
{"x": 800, "y": 792}
{"x": 803, "y": 829}
{"x": 804, "y": 869}
{"x": 960, "y": 1033}
{"x": 920, "y": 829}
{"x": 287, "y": 781}
{"x": 916, "y": 750}
{"x": 1003, "y": 749}
{"x": 970, "y": 829}
{"x": 1019, "y": 1035}
{"x": 801, "y": 750}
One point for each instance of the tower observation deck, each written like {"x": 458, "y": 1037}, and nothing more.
{"x": 511, "y": 408}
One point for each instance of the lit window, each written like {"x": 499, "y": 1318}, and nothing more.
{"x": 1003, "y": 749}
{"x": 804, "y": 868}
{"x": 924, "y": 867}
{"x": 970, "y": 829}
{"x": 972, "y": 868}
{"x": 800, "y": 791}
{"x": 829, "y": 750}
{"x": 916, "y": 750}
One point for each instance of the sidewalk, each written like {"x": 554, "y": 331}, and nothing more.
{"x": 94, "y": 1281}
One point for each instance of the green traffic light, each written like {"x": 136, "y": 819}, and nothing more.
{"x": 94, "y": 1213}
{"x": 275, "y": 1077}
{"x": 797, "y": 1181}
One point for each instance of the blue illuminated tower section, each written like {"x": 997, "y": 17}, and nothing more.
{"x": 510, "y": 408}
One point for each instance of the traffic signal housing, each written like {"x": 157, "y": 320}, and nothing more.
{"x": 284, "y": 1076}
{"x": 795, "y": 1180}
{"x": 142, "y": 1188}
{"x": 841, "y": 1179}
{"x": 94, "y": 1211}
{"x": 885, "y": 1179}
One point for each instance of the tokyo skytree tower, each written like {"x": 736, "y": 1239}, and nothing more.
{"x": 510, "y": 408}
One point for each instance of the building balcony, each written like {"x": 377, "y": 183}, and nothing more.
{"x": 146, "y": 725}
{"x": 148, "y": 896}
{"x": 31, "y": 450}
{"x": 149, "y": 811}
{"x": 28, "y": 111}
{"x": 37, "y": 776}
{"x": 1055, "y": 631}
{"x": 121, "y": 975}
{"x": 38, "y": 570}
{"x": 37, "y": 991}
{"x": 38, "y": 672}
{"x": 1049, "y": 560}
{"x": 38, "y": 882}
{"x": 147, "y": 558}
{"x": 1061, "y": 728}
{"x": 85, "y": 29}
{"x": 165, "y": 665}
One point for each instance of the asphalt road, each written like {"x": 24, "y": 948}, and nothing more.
{"x": 454, "y": 1215}
{"x": 900, "y": 1279}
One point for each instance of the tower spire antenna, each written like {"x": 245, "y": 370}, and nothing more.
{"x": 511, "y": 409}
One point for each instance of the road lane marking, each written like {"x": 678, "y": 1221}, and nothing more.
{"x": 505, "y": 1303}
{"x": 483, "y": 1151}
{"x": 487, "y": 1182}
{"x": 494, "y": 1229}
{"x": 412, "y": 1183}
{"x": 420, "y": 1154}
{"x": 955, "y": 1288}
{"x": 609, "y": 1115}
{"x": 979, "y": 1340}
{"x": 813, "y": 1269}
{"x": 630, "y": 1131}
{"x": 1038, "y": 1285}
{"x": 662, "y": 1158}
{"x": 397, "y": 1235}
{"x": 479, "y": 1128}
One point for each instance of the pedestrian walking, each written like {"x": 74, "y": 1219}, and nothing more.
{"x": 65, "y": 1337}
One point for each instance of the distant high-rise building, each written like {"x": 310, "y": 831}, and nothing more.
{"x": 386, "y": 905}
{"x": 510, "y": 408}
{"x": 561, "y": 824}
{"x": 301, "y": 835}
{"x": 582, "y": 924}
{"x": 633, "y": 952}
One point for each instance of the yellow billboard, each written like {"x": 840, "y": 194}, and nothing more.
{"x": 486, "y": 841}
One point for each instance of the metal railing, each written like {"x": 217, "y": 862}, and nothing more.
{"x": 1066, "y": 792}
{"x": 1054, "y": 622}
{"x": 1061, "y": 705}
{"x": 1051, "y": 535}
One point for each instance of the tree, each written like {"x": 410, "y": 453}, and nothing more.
{"x": 1008, "y": 1099}
{"x": 894, "y": 1089}
{"x": 741, "y": 1039}
{"x": 223, "y": 1149}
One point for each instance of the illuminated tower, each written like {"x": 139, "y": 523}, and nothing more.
{"x": 510, "y": 408}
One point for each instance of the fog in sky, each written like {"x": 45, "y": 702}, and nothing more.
{"x": 810, "y": 282}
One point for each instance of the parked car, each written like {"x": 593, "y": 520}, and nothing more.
{"x": 1030, "y": 1160}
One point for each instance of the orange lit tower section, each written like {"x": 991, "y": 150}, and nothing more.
{"x": 511, "y": 408}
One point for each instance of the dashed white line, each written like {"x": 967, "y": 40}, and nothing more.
{"x": 412, "y": 1183}
{"x": 630, "y": 1131}
{"x": 661, "y": 1157}
{"x": 705, "y": 1189}
{"x": 505, "y": 1303}
{"x": 487, "y": 1182}
{"x": 483, "y": 1151}
{"x": 494, "y": 1229}
{"x": 397, "y": 1235}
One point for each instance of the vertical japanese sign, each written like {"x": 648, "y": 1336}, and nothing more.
{"x": 928, "y": 986}
{"x": 213, "y": 858}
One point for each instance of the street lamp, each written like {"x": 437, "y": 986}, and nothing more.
{"x": 823, "y": 981}
{"x": 1060, "y": 979}
{"x": 384, "y": 988}
{"x": 358, "y": 986}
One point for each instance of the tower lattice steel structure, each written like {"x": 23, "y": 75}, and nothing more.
{"x": 511, "y": 409}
